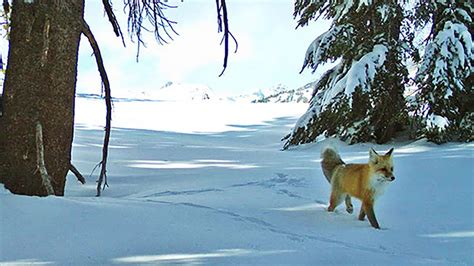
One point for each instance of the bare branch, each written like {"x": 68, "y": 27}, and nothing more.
{"x": 223, "y": 26}
{"x": 108, "y": 102}
{"x": 152, "y": 11}
{"x": 113, "y": 19}
{"x": 41, "y": 166}
{"x": 219, "y": 17}
{"x": 76, "y": 172}
{"x": 6, "y": 6}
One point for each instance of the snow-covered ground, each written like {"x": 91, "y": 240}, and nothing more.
{"x": 206, "y": 183}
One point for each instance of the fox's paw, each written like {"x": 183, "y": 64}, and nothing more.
{"x": 350, "y": 209}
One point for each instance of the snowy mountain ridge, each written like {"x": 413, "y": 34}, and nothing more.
{"x": 278, "y": 94}
{"x": 175, "y": 91}
{"x": 169, "y": 92}
{"x": 185, "y": 92}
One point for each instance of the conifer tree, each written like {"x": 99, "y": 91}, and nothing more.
{"x": 444, "y": 102}
{"x": 361, "y": 98}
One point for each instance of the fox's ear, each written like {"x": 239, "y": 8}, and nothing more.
{"x": 373, "y": 156}
{"x": 389, "y": 153}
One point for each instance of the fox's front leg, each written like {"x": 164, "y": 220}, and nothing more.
{"x": 368, "y": 208}
{"x": 349, "y": 206}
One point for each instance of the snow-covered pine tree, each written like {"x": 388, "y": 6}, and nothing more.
{"x": 361, "y": 98}
{"x": 445, "y": 100}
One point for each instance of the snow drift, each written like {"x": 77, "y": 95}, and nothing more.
{"x": 184, "y": 190}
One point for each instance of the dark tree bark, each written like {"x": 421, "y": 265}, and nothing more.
{"x": 40, "y": 88}
{"x": 2, "y": 149}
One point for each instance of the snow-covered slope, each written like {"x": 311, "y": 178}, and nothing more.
{"x": 278, "y": 94}
{"x": 170, "y": 92}
{"x": 215, "y": 189}
{"x": 285, "y": 95}
{"x": 182, "y": 92}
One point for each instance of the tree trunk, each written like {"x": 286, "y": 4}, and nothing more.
{"x": 40, "y": 87}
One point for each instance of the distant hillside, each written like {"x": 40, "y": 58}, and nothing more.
{"x": 279, "y": 94}
{"x": 179, "y": 92}
{"x": 173, "y": 91}
{"x": 170, "y": 92}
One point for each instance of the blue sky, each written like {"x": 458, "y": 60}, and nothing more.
{"x": 270, "y": 50}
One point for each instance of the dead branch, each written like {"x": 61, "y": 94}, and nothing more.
{"x": 6, "y": 6}
{"x": 108, "y": 102}
{"x": 223, "y": 26}
{"x": 41, "y": 166}
{"x": 113, "y": 19}
{"x": 152, "y": 11}
{"x": 76, "y": 172}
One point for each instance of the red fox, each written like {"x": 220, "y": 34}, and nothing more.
{"x": 363, "y": 181}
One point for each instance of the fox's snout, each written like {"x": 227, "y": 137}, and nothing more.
{"x": 386, "y": 176}
{"x": 389, "y": 177}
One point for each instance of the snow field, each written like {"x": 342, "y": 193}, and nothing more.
{"x": 206, "y": 183}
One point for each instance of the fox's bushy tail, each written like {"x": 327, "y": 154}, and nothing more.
{"x": 331, "y": 160}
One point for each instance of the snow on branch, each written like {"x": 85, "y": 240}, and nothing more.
{"x": 318, "y": 51}
{"x": 448, "y": 57}
{"x": 339, "y": 81}
{"x": 437, "y": 122}
{"x": 360, "y": 74}
{"x": 345, "y": 7}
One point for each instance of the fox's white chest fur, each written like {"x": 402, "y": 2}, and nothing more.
{"x": 378, "y": 184}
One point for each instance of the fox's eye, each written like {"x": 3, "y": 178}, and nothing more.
{"x": 391, "y": 169}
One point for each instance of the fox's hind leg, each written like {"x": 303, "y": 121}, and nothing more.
{"x": 335, "y": 200}
{"x": 349, "y": 206}
{"x": 361, "y": 214}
